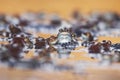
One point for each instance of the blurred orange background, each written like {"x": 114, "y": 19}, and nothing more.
{"x": 63, "y": 7}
